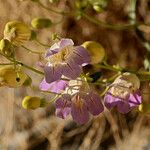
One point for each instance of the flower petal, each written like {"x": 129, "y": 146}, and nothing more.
{"x": 123, "y": 107}
{"x": 65, "y": 42}
{"x": 81, "y": 51}
{"x": 56, "y": 86}
{"x": 63, "y": 106}
{"x": 80, "y": 116}
{"x": 135, "y": 99}
{"x": 52, "y": 73}
{"x": 71, "y": 70}
{"x": 110, "y": 101}
{"x": 94, "y": 103}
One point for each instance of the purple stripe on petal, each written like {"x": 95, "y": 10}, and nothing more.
{"x": 94, "y": 103}
{"x": 52, "y": 73}
{"x": 83, "y": 53}
{"x": 56, "y": 86}
{"x": 71, "y": 70}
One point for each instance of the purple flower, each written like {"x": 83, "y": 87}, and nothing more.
{"x": 79, "y": 104}
{"x": 64, "y": 59}
{"x": 56, "y": 86}
{"x": 124, "y": 93}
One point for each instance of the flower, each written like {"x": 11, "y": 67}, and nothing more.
{"x": 124, "y": 93}
{"x": 56, "y": 86}
{"x": 79, "y": 102}
{"x": 63, "y": 58}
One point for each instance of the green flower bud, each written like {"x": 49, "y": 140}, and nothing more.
{"x": 6, "y": 47}
{"x": 95, "y": 50}
{"x": 144, "y": 108}
{"x": 33, "y": 102}
{"x": 40, "y": 23}
{"x": 11, "y": 77}
{"x": 17, "y": 32}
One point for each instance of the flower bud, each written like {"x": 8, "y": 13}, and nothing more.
{"x": 33, "y": 102}
{"x": 6, "y": 47}
{"x": 17, "y": 32}
{"x": 144, "y": 108}
{"x": 40, "y": 23}
{"x": 95, "y": 50}
{"x": 11, "y": 77}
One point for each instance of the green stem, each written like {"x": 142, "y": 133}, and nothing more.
{"x": 6, "y": 64}
{"x": 31, "y": 51}
{"x": 22, "y": 64}
{"x": 108, "y": 25}
{"x": 42, "y": 44}
{"x": 51, "y": 10}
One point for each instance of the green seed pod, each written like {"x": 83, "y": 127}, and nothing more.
{"x": 40, "y": 23}
{"x": 17, "y": 32}
{"x": 95, "y": 50}
{"x": 33, "y": 102}
{"x": 144, "y": 108}
{"x": 11, "y": 77}
{"x": 6, "y": 47}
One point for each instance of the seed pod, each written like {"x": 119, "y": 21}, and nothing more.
{"x": 11, "y": 77}
{"x": 6, "y": 47}
{"x": 40, "y": 23}
{"x": 17, "y": 32}
{"x": 95, "y": 50}
{"x": 144, "y": 108}
{"x": 33, "y": 102}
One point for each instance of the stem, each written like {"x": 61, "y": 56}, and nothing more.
{"x": 35, "y": 52}
{"x": 49, "y": 9}
{"x": 108, "y": 25}
{"x": 6, "y": 64}
{"x": 22, "y": 64}
{"x": 45, "y": 45}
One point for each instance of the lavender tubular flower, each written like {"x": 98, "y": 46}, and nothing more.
{"x": 124, "y": 93}
{"x": 65, "y": 59}
{"x": 80, "y": 102}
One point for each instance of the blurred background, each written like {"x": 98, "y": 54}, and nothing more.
{"x": 40, "y": 129}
